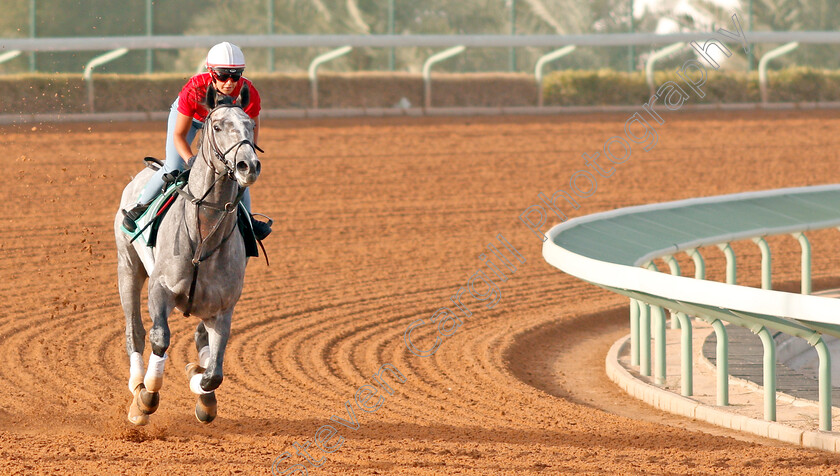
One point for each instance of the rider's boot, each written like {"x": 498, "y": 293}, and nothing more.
{"x": 261, "y": 228}
{"x": 131, "y": 216}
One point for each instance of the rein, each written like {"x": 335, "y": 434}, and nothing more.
{"x": 228, "y": 208}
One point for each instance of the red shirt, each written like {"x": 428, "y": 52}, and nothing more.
{"x": 192, "y": 95}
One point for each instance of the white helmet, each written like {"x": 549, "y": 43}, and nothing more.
{"x": 225, "y": 55}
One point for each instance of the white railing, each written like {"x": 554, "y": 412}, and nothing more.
{"x": 390, "y": 41}
{"x": 633, "y": 275}
{"x": 566, "y": 43}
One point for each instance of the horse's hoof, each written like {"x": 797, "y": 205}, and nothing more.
{"x": 145, "y": 401}
{"x": 148, "y": 402}
{"x": 136, "y": 416}
{"x": 205, "y": 408}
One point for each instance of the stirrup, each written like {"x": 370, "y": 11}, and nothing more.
{"x": 171, "y": 176}
{"x": 131, "y": 216}
{"x": 261, "y": 228}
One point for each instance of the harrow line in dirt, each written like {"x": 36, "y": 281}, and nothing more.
{"x": 377, "y": 223}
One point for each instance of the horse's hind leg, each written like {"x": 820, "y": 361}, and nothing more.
{"x": 131, "y": 277}
{"x": 205, "y": 408}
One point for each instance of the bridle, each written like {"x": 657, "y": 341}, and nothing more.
{"x": 221, "y": 156}
{"x": 228, "y": 208}
{"x": 217, "y": 152}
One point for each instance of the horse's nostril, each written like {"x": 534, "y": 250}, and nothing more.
{"x": 242, "y": 166}
{"x": 259, "y": 167}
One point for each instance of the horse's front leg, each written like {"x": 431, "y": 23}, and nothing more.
{"x": 161, "y": 304}
{"x": 206, "y": 378}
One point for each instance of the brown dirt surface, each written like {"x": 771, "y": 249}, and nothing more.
{"x": 377, "y": 223}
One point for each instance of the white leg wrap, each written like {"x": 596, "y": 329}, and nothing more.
{"x": 195, "y": 385}
{"x": 137, "y": 371}
{"x": 204, "y": 356}
{"x": 154, "y": 374}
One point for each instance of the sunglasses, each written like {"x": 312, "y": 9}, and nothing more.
{"x": 223, "y": 77}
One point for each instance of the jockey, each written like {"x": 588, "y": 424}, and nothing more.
{"x": 225, "y": 63}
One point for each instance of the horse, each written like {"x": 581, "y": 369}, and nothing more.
{"x": 197, "y": 265}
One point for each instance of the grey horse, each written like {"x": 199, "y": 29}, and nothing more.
{"x": 197, "y": 265}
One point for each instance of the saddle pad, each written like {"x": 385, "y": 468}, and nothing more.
{"x": 149, "y": 235}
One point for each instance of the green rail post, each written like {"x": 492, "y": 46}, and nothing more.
{"x": 149, "y": 21}
{"x": 731, "y": 269}
{"x": 686, "y": 349}
{"x": 655, "y": 56}
{"x": 722, "y": 361}
{"x": 817, "y": 341}
{"x": 391, "y": 56}
{"x": 769, "y": 371}
{"x": 699, "y": 263}
{"x": 270, "y": 55}
{"x": 316, "y": 63}
{"x": 660, "y": 344}
{"x": 687, "y": 342}
{"x": 658, "y": 314}
{"x": 541, "y": 62}
{"x": 87, "y": 75}
{"x": 644, "y": 339}
{"x": 631, "y": 60}
{"x": 32, "y": 15}
{"x": 720, "y": 332}
{"x": 750, "y": 55}
{"x": 766, "y": 263}
{"x": 675, "y": 270}
{"x": 512, "y": 33}
{"x": 762, "y": 66}
{"x": 427, "y": 71}
{"x": 806, "y": 261}
{"x": 634, "y": 332}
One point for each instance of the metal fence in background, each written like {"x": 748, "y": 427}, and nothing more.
{"x": 49, "y": 19}
{"x": 456, "y": 44}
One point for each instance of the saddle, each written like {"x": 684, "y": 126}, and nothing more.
{"x": 149, "y": 222}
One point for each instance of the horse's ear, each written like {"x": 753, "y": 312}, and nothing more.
{"x": 244, "y": 96}
{"x": 210, "y": 97}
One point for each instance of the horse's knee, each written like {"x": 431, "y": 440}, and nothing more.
{"x": 159, "y": 338}
{"x": 211, "y": 382}
{"x": 134, "y": 340}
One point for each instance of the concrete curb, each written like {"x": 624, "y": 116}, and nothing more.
{"x": 413, "y": 112}
{"x": 677, "y": 404}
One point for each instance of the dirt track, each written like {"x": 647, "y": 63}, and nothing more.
{"x": 377, "y": 224}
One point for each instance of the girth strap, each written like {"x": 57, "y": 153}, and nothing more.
{"x": 192, "y": 290}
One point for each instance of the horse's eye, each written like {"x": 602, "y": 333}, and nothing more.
{"x": 217, "y": 128}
